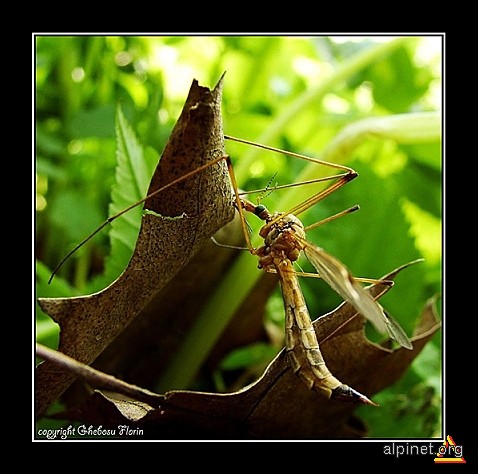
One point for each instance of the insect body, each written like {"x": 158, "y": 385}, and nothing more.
{"x": 284, "y": 239}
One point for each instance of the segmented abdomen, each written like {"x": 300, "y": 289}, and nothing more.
{"x": 301, "y": 341}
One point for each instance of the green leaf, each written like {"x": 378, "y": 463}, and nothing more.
{"x": 370, "y": 243}
{"x": 72, "y": 212}
{"x": 46, "y": 330}
{"x": 399, "y": 74}
{"x": 421, "y": 184}
{"x": 133, "y": 174}
{"x": 249, "y": 355}
{"x": 93, "y": 123}
{"x": 414, "y": 413}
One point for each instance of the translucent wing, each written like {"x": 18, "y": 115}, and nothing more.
{"x": 396, "y": 332}
{"x": 339, "y": 278}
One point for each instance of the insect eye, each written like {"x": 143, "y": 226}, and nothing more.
{"x": 259, "y": 209}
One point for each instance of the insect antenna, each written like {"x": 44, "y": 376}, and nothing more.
{"x": 268, "y": 189}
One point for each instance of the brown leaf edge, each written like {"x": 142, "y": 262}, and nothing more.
{"x": 277, "y": 405}
{"x": 89, "y": 324}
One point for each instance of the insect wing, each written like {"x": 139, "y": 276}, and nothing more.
{"x": 396, "y": 332}
{"x": 339, "y": 278}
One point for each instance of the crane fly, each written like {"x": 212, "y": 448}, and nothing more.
{"x": 284, "y": 240}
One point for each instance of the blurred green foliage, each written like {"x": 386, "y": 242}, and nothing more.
{"x": 294, "y": 93}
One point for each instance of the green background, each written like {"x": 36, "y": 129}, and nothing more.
{"x": 294, "y": 93}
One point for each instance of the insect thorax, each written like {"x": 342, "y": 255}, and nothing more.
{"x": 281, "y": 240}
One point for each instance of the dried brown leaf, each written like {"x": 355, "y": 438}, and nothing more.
{"x": 191, "y": 211}
{"x": 278, "y": 405}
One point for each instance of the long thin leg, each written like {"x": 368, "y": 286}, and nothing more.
{"x": 297, "y": 209}
{"x": 332, "y": 218}
{"x": 294, "y": 185}
{"x": 137, "y": 203}
{"x": 290, "y": 153}
{"x": 239, "y": 204}
{"x": 304, "y": 205}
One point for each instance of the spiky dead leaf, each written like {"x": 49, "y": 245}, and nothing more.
{"x": 186, "y": 215}
{"x": 278, "y": 405}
